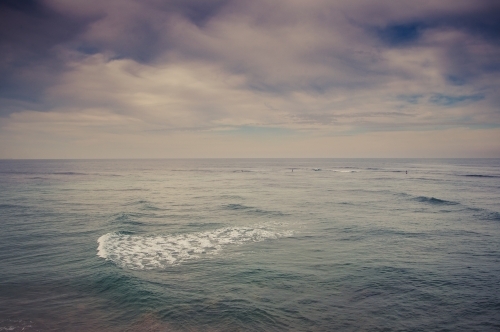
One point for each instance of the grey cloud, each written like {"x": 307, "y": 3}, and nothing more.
{"x": 138, "y": 30}
{"x": 29, "y": 61}
{"x": 323, "y": 46}
{"x": 357, "y": 50}
{"x": 464, "y": 58}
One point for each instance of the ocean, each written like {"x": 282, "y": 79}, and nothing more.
{"x": 250, "y": 245}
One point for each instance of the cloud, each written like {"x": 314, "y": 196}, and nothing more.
{"x": 29, "y": 60}
{"x": 307, "y": 69}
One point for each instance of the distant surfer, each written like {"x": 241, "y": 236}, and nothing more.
{"x": 406, "y": 172}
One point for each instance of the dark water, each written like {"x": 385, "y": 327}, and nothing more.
{"x": 249, "y": 245}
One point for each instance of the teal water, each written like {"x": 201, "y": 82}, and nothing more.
{"x": 250, "y": 245}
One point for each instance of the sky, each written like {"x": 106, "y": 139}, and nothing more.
{"x": 249, "y": 79}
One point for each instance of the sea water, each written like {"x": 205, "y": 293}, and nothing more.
{"x": 250, "y": 245}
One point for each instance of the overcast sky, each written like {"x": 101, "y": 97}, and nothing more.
{"x": 249, "y": 78}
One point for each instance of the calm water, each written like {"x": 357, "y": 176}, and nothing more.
{"x": 249, "y": 245}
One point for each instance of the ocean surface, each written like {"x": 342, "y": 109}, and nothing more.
{"x": 250, "y": 245}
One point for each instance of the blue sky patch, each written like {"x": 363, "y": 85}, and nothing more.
{"x": 411, "y": 99}
{"x": 400, "y": 34}
{"x": 444, "y": 100}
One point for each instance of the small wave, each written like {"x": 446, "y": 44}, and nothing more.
{"x": 133, "y": 189}
{"x": 156, "y": 252}
{"x": 138, "y": 202}
{"x": 433, "y": 200}
{"x": 122, "y": 217}
{"x": 151, "y": 207}
{"x": 270, "y": 213}
{"x": 125, "y": 218}
{"x": 316, "y": 169}
{"x": 385, "y": 170}
{"x": 18, "y": 172}
{"x": 487, "y": 214}
{"x": 493, "y": 216}
{"x": 194, "y": 170}
{"x": 225, "y": 196}
{"x": 237, "y": 207}
{"x": 12, "y": 206}
{"x": 68, "y": 173}
{"x": 251, "y": 210}
{"x": 481, "y": 176}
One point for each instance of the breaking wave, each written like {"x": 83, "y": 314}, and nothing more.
{"x": 158, "y": 251}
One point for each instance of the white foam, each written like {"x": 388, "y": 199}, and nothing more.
{"x": 156, "y": 252}
{"x": 15, "y": 325}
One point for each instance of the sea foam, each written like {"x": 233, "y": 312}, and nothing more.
{"x": 158, "y": 251}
